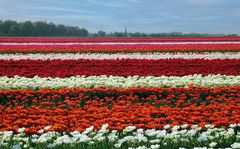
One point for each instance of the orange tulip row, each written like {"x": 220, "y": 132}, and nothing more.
{"x": 77, "y": 109}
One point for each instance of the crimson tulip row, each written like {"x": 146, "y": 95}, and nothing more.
{"x": 116, "y": 48}
{"x": 191, "y": 39}
{"x": 125, "y": 67}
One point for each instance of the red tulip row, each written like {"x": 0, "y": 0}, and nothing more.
{"x": 173, "y": 97}
{"x": 118, "y": 48}
{"x": 125, "y": 67}
{"x": 187, "y": 39}
{"x": 77, "y": 109}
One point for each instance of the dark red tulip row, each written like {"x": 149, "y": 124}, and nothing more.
{"x": 119, "y": 48}
{"x": 187, "y": 39}
{"x": 125, "y": 67}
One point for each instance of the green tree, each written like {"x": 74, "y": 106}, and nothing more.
{"x": 7, "y": 25}
{"x": 100, "y": 33}
{"x": 15, "y": 31}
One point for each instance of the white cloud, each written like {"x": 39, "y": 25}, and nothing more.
{"x": 206, "y": 18}
{"x": 115, "y": 4}
{"x": 135, "y": 1}
{"x": 50, "y": 8}
{"x": 205, "y": 2}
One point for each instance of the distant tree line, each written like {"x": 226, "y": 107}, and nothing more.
{"x": 49, "y": 29}
{"x": 177, "y": 34}
{"x": 39, "y": 28}
{"x": 102, "y": 33}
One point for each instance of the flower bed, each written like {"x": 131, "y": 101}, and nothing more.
{"x": 119, "y": 93}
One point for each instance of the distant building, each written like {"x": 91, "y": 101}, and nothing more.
{"x": 125, "y": 32}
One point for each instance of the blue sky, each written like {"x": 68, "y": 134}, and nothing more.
{"x": 202, "y": 16}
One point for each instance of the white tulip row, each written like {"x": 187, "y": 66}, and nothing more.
{"x": 130, "y": 137}
{"x": 118, "y": 82}
{"x": 114, "y": 56}
{"x": 115, "y": 43}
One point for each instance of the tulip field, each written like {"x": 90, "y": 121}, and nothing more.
{"x": 126, "y": 93}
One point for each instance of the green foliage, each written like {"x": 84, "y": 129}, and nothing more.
{"x": 100, "y": 33}
{"x": 39, "y": 28}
